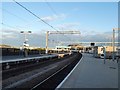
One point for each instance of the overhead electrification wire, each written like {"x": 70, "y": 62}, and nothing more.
{"x": 9, "y": 26}
{"x": 50, "y": 7}
{"x": 34, "y": 15}
{"x": 14, "y": 15}
{"x": 18, "y": 17}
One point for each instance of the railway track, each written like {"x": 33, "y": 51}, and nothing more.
{"x": 26, "y": 67}
{"x": 54, "y": 80}
{"x": 41, "y": 75}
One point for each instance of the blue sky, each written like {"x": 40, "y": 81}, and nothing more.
{"x": 92, "y": 19}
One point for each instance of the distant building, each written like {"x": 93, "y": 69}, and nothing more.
{"x": 88, "y": 49}
{"x": 63, "y": 48}
{"x": 76, "y": 47}
{"x": 99, "y": 51}
{"x": 5, "y": 46}
{"x": 60, "y": 49}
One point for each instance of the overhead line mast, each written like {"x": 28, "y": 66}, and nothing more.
{"x": 58, "y": 32}
{"x": 35, "y": 15}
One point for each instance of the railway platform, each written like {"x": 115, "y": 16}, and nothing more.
{"x": 91, "y": 72}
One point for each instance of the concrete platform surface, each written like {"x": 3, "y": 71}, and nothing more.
{"x": 92, "y": 73}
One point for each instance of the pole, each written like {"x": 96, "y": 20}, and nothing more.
{"x": 113, "y": 45}
{"x": 104, "y": 54}
{"x": 25, "y": 37}
{"x": 25, "y": 48}
{"x": 47, "y": 42}
{"x": 25, "y": 42}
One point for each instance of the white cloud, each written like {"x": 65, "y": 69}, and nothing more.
{"x": 76, "y": 9}
{"x": 68, "y": 26}
{"x": 9, "y": 36}
{"x": 89, "y": 32}
{"x": 13, "y": 37}
{"x": 53, "y": 17}
{"x": 105, "y": 36}
{"x": 8, "y": 33}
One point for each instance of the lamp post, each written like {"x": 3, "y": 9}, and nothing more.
{"x": 25, "y": 42}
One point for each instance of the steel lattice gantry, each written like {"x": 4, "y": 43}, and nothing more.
{"x": 63, "y": 32}
{"x": 58, "y": 32}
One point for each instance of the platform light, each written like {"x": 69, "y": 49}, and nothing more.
{"x": 25, "y": 41}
